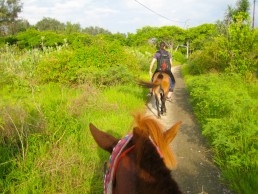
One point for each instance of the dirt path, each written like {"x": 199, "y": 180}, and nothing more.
{"x": 195, "y": 170}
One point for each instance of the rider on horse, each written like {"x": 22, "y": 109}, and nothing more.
{"x": 164, "y": 63}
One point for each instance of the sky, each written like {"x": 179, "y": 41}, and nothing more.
{"x": 125, "y": 16}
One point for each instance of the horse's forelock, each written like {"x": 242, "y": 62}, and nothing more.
{"x": 149, "y": 127}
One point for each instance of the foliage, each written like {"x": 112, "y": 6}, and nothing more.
{"x": 71, "y": 28}
{"x": 242, "y": 6}
{"x": 117, "y": 37}
{"x": 199, "y": 35}
{"x": 179, "y": 57}
{"x": 237, "y": 52}
{"x": 9, "y": 10}
{"x": 34, "y": 39}
{"x": 172, "y": 35}
{"x": 56, "y": 156}
{"x": 227, "y": 113}
{"x": 102, "y": 62}
{"x": 50, "y": 24}
{"x": 55, "y": 67}
{"x": 95, "y": 30}
{"x": 44, "y": 146}
{"x": 78, "y": 40}
{"x": 22, "y": 25}
{"x": 144, "y": 55}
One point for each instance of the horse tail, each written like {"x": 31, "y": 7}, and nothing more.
{"x": 149, "y": 84}
{"x": 157, "y": 82}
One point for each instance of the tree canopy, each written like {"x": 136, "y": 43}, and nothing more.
{"x": 9, "y": 10}
{"x": 241, "y": 6}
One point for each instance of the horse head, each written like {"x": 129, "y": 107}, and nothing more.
{"x": 142, "y": 161}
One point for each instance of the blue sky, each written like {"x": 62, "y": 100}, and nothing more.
{"x": 128, "y": 15}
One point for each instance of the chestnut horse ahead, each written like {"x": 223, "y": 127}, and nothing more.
{"x": 141, "y": 162}
{"x": 160, "y": 86}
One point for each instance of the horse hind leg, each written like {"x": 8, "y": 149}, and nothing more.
{"x": 157, "y": 105}
{"x": 161, "y": 107}
{"x": 164, "y": 105}
{"x": 163, "y": 100}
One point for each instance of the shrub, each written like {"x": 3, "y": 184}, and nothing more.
{"x": 56, "y": 67}
{"x": 236, "y": 52}
{"x": 228, "y": 113}
{"x": 179, "y": 57}
{"x": 35, "y": 39}
{"x": 102, "y": 62}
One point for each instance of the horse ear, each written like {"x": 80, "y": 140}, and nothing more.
{"x": 103, "y": 139}
{"x": 170, "y": 134}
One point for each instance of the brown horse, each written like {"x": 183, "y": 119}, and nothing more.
{"x": 141, "y": 162}
{"x": 160, "y": 86}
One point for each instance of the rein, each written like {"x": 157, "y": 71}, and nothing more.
{"x": 123, "y": 155}
{"x": 117, "y": 154}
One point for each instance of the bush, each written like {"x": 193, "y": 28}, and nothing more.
{"x": 79, "y": 40}
{"x": 35, "y": 39}
{"x": 102, "y": 62}
{"x": 235, "y": 53}
{"x": 56, "y": 67}
{"x": 179, "y": 57}
{"x": 112, "y": 76}
{"x": 228, "y": 115}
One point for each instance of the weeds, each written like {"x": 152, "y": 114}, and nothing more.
{"x": 228, "y": 115}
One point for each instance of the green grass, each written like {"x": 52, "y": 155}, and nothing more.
{"x": 60, "y": 155}
{"x": 226, "y": 107}
{"x": 46, "y": 145}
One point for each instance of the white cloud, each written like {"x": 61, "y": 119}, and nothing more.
{"x": 127, "y": 15}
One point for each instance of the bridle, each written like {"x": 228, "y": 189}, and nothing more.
{"x": 117, "y": 154}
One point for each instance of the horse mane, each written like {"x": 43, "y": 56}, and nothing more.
{"x": 150, "y": 128}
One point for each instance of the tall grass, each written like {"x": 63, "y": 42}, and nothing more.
{"x": 227, "y": 108}
{"x": 46, "y": 146}
{"x": 62, "y": 156}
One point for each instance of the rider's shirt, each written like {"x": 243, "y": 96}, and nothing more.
{"x": 157, "y": 54}
{"x": 163, "y": 60}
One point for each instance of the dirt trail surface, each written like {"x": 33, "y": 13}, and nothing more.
{"x": 195, "y": 172}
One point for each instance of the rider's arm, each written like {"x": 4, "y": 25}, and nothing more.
{"x": 151, "y": 66}
{"x": 171, "y": 63}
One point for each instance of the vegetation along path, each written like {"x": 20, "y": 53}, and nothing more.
{"x": 195, "y": 172}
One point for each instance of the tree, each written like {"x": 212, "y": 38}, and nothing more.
{"x": 171, "y": 35}
{"x": 95, "y": 30}
{"x": 50, "y": 24}
{"x": 199, "y": 35}
{"x": 241, "y": 6}
{"x": 22, "y": 25}
{"x": 9, "y": 10}
{"x": 71, "y": 28}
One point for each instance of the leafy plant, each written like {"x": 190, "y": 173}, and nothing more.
{"x": 227, "y": 114}
{"x": 235, "y": 52}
